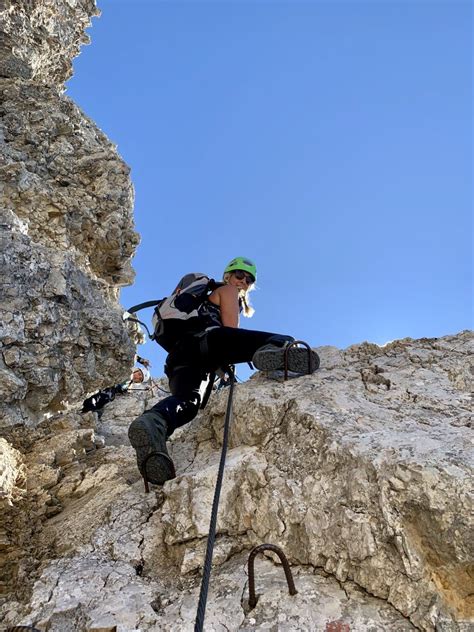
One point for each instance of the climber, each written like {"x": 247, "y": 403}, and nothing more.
{"x": 196, "y": 356}
{"x": 97, "y": 401}
{"x": 138, "y": 376}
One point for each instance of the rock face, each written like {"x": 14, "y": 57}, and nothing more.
{"x": 66, "y": 242}
{"x": 361, "y": 473}
{"x": 39, "y": 38}
{"x": 66, "y": 227}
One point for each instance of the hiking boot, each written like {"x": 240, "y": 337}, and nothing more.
{"x": 272, "y": 358}
{"x": 147, "y": 435}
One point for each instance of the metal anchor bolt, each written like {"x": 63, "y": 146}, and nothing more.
{"x": 290, "y": 346}
{"x": 286, "y": 566}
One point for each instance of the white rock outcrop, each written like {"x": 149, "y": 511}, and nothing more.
{"x": 40, "y": 38}
{"x": 363, "y": 482}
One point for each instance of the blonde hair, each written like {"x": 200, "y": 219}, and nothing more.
{"x": 244, "y": 300}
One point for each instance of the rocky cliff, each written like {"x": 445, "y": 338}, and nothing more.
{"x": 66, "y": 238}
{"x": 66, "y": 225}
{"x": 361, "y": 473}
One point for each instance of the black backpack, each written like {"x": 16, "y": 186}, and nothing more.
{"x": 178, "y": 314}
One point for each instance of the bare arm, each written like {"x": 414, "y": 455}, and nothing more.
{"x": 227, "y": 297}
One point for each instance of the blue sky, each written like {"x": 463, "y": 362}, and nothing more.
{"x": 331, "y": 142}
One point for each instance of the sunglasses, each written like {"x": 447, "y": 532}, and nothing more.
{"x": 240, "y": 274}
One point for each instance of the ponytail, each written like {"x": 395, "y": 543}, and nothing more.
{"x": 247, "y": 309}
{"x": 244, "y": 299}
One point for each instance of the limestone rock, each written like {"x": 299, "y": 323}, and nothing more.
{"x": 66, "y": 242}
{"x": 365, "y": 488}
{"x": 39, "y": 39}
{"x": 66, "y": 225}
{"x": 65, "y": 184}
{"x": 57, "y": 345}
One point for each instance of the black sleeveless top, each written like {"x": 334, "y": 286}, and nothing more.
{"x": 211, "y": 314}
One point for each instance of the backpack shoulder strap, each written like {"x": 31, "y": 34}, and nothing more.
{"x": 213, "y": 285}
{"x": 137, "y": 308}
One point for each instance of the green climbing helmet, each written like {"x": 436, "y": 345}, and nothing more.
{"x": 241, "y": 263}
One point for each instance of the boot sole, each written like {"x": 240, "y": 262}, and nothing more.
{"x": 153, "y": 460}
{"x": 298, "y": 360}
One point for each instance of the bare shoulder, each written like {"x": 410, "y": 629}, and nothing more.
{"x": 224, "y": 293}
{"x": 228, "y": 290}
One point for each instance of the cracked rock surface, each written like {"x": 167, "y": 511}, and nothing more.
{"x": 39, "y": 38}
{"x": 66, "y": 242}
{"x": 66, "y": 226}
{"x": 365, "y": 488}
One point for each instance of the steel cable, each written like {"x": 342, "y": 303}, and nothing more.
{"x": 199, "y": 623}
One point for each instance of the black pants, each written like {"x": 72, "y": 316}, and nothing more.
{"x": 189, "y": 364}
{"x": 97, "y": 401}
